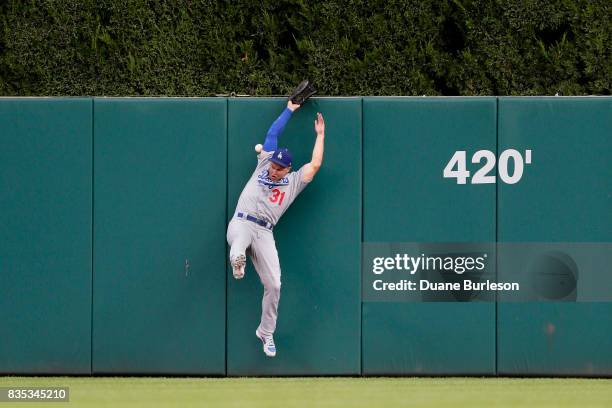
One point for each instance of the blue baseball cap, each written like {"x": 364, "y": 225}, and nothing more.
{"x": 282, "y": 157}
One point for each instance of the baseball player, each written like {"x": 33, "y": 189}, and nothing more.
{"x": 264, "y": 199}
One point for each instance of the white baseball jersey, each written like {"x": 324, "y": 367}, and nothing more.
{"x": 266, "y": 199}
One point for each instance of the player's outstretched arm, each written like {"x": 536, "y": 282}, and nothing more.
{"x": 310, "y": 169}
{"x": 271, "y": 142}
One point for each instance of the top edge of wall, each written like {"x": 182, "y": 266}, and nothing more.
{"x": 319, "y": 97}
{"x": 489, "y": 96}
{"x": 45, "y": 97}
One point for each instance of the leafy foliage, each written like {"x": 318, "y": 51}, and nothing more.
{"x": 347, "y": 47}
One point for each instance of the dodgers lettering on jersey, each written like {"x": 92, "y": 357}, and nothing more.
{"x": 266, "y": 199}
{"x": 263, "y": 179}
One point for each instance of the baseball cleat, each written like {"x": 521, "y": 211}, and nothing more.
{"x": 238, "y": 264}
{"x": 268, "y": 344}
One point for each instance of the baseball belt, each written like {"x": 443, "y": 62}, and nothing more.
{"x": 256, "y": 220}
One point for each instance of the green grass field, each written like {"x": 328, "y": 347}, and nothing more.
{"x": 322, "y": 392}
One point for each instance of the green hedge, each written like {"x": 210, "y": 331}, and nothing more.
{"x": 350, "y": 47}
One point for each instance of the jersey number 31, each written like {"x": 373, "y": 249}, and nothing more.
{"x": 277, "y": 196}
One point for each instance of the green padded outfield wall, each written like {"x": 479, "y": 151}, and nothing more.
{"x": 45, "y": 235}
{"x": 407, "y": 143}
{"x": 159, "y": 253}
{"x": 564, "y": 196}
{"x": 113, "y": 257}
{"x": 318, "y": 240}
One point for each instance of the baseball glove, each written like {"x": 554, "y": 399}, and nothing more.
{"x": 303, "y": 91}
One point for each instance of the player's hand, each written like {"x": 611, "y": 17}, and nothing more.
{"x": 319, "y": 124}
{"x": 292, "y": 106}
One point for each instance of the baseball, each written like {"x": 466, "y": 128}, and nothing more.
{"x": 258, "y": 147}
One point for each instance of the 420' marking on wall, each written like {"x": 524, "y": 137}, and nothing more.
{"x": 457, "y": 168}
